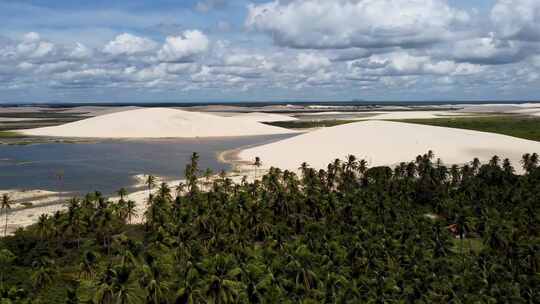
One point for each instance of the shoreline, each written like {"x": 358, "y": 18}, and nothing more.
{"x": 21, "y": 217}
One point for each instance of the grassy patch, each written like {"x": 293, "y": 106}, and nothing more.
{"x": 517, "y": 126}
{"x": 307, "y": 124}
{"x": 44, "y": 114}
{"x": 10, "y": 134}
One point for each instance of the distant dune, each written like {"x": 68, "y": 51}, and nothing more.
{"x": 159, "y": 123}
{"x": 388, "y": 143}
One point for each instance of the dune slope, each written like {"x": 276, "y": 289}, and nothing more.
{"x": 158, "y": 123}
{"x": 388, "y": 143}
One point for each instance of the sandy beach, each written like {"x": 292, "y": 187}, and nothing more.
{"x": 388, "y": 143}
{"x": 28, "y": 205}
{"x": 45, "y": 202}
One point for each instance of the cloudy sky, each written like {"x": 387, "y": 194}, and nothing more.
{"x": 263, "y": 50}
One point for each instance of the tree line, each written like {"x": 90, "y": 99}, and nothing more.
{"x": 419, "y": 232}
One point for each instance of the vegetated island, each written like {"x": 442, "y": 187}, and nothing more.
{"x": 420, "y": 232}
{"x": 527, "y": 127}
{"x": 521, "y": 126}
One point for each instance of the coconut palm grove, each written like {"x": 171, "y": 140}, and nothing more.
{"x": 420, "y": 232}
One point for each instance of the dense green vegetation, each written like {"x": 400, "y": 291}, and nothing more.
{"x": 514, "y": 125}
{"x": 10, "y": 134}
{"x": 519, "y": 126}
{"x": 306, "y": 124}
{"x": 419, "y": 233}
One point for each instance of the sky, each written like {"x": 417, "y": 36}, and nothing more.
{"x": 280, "y": 50}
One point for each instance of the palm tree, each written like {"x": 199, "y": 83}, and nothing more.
{"x": 74, "y": 219}
{"x": 180, "y": 188}
{"x": 71, "y": 296}
{"x": 207, "y": 176}
{"x": 150, "y": 183}
{"x": 104, "y": 292}
{"x": 304, "y": 169}
{"x": 88, "y": 265}
{"x": 455, "y": 174}
{"x": 191, "y": 174}
{"x": 222, "y": 284}
{"x": 6, "y": 258}
{"x": 351, "y": 164}
{"x": 534, "y": 160}
{"x": 507, "y": 166}
{"x": 529, "y": 162}
{"x": 362, "y": 166}
{"x": 164, "y": 192}
{"x": 494, "y": 161}
{"x": 44, "y": 273}
{"x": 151, "y": 282}
{"x": 6, "y": 205}
{"x": 122, "y": 288}
{"x": 130, "y": 210}
{"x": 475, "y": 165}
{"x": 257, "y": 164}
{"x": 44, "y": 227}
{"x": 122, "y": 193}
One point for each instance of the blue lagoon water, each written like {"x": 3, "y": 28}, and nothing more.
{"x": 109, "y": 165}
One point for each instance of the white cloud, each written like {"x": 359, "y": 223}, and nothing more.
{"x": 184, "y": 47}
{"x": 32, "y": 46}
{"x": 312, "y": 62}
{"x": 353, "y": 23}
{"x": 405, "y": 64}
{"x": 517, "y": 19}
{"x": 488, "y": 50}
{"x": 81, "y": 51}
{"x": 31, "y": 37}
{"x": 249, "y": 60}
{"x": 128, "y": 44}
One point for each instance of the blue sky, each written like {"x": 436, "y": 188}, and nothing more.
{"x": 239, "y": 50}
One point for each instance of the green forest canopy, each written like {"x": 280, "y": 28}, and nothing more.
{"x": 419, "y": 233}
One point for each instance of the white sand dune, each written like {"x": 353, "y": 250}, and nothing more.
{"x": 527, "y": 111}
{"x": 388, "y": 143}
{"x": 158, "y": 123}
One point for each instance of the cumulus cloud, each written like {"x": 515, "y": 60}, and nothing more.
{"x": 322, "y": 24}
{"x": 248, "y": 60}
{"x": 517, "y": 19}
{"x": 405, "y": 64}
{"x": 32, "y": 46}
{"x": 490, "y": 50}
{"x": 338, "y": 46}
{"x": 128, "y": 44}
{"x": 80, "y": 51}
{"x": 184, "y": 47}
{"x": 312, "y": 62}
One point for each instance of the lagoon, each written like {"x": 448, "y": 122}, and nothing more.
{"x": 110, "y": 164}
